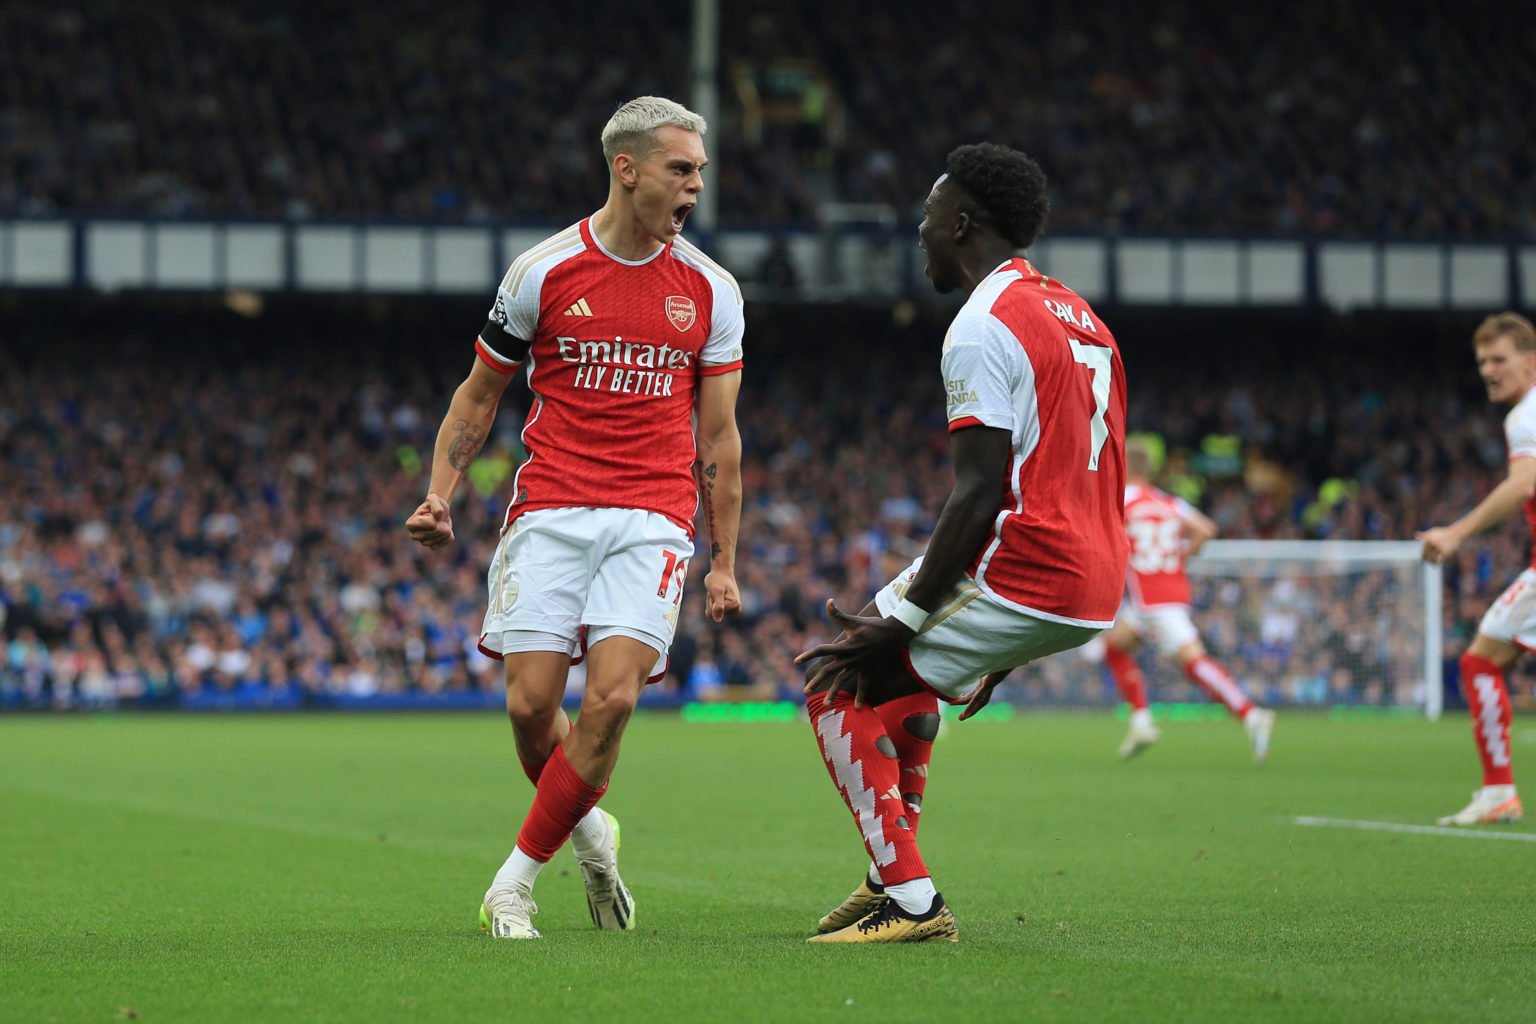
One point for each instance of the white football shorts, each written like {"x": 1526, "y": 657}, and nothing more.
{"x": 971, "y": 634}
{"x": 1168, "y": 626}
{"x": 616, "y": 571}
{"x": 1512, "y": 618}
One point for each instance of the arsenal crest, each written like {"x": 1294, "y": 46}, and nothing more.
{"x": 681, "y": 311}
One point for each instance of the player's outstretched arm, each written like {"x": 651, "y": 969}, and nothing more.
{"x": 719, "y": 472}
{"x": 460, "y": 438}
{"x": 1440, "y": 542}
{"x": 869, "y": 643}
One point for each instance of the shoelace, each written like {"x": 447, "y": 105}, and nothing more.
{"x": 886, "y": 915}
{"x": 509, "y": 904}
{"x": 875, "y": 902}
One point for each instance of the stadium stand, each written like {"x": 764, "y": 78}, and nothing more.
{"x": 200, "y": 503}
{"x": 1168, "y": 117}
{"x": 204, "y": 507}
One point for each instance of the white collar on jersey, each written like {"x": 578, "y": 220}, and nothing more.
{"x": 619, "y": 259}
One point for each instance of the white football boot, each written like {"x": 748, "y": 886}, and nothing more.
{"x": 608, "y": 899}
{"x": 1259, "y": 724}
{"x": 508, "y": 913}
{"x": 1138, "y": 737}
{"x": 1490, "y": 805}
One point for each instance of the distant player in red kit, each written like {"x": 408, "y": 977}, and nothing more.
{"x": 1505, "y": 345}
{"x": 627, "y": 333}
{"x": 1164, "y": 531}
{"x": 1027, "y": 557}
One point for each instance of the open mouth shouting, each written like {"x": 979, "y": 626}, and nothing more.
{"x": 680, "y": 215}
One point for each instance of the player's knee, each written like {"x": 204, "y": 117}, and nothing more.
{"x": 531, "y": 712}
{"x": 1485, "y": 648}
{"x": 1473, "y": 664}
{"x": 923, "y": 726}
{"x": 605, "y": 704}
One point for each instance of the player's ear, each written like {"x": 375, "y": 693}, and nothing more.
{"x": 963, "y": 225}
{"x": 626, "y": 169}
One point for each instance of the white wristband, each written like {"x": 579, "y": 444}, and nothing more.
{"x": 909, "y": 615}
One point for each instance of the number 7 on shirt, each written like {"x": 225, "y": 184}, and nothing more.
{"x": 1100, "y": 361}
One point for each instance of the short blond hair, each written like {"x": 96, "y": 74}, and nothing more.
{"x": 634, "y": 125}
{"x": 1138, "y": 458}
{"x": 1509, "y": 325}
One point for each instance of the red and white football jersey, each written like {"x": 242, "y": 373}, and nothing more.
{"x": 618, "y": 348}
{"x": 1027, "y": 355}
{"x": 1155, "y": 525}
{"x": 1520, "y": 434}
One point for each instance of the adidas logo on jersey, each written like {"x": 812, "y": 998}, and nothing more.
{"x": 579, "y": 308}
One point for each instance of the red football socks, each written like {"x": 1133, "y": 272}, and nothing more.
{"x": 912, "y": 722}
{"x": 1217, "y": 682}
{"x": 532, "y": 769}
{"x": 863, "y": 763}
{"x": 1488, "y": 699}
{"x": 563, "y": 800}
{"x": 1127, "y": 676}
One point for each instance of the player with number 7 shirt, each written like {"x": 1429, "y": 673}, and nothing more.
{"x": 1028, "y": 555}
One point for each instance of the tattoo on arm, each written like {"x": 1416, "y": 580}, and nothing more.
{"x": 466, "y": 445}
{"x": 707, "y": 479}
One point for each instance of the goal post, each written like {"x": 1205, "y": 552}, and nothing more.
{"x": 1366, "y": 613}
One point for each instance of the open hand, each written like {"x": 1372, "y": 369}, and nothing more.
{"x": 868, "y": 644}
{"x": 982, "y": 695}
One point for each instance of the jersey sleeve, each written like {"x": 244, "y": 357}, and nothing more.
{"x": 983, "y": 364}
{"x": 513, "y": 319}
{"x": 727, "y": 326}
{"x": 1520, "y": 431}
{"x": 1185, "y": 509}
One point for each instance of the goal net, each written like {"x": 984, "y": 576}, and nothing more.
{"x": 1297, "y": 623}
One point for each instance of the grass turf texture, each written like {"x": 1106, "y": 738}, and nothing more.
{"x": 330, "y": 868}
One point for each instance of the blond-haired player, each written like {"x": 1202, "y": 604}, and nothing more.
{"x": 1505, "y": 346}
{"x": 631, "y": 341}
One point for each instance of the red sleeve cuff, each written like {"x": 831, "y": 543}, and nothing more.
{"x": 716, "y": 369}
{"x": 489, "y": 357}
{"x": 963, "y": 422}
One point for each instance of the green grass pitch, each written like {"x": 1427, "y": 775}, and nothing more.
{"x": 329, "y": 868}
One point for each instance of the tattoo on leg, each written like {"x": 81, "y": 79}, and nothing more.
{"x": 608, "y": 738}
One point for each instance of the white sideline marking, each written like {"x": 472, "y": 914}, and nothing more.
{"x": 1422, "y": 830}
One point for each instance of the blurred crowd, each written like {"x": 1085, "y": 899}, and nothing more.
{"x": 1170, "y": 116}
{"x": 209, "y": 505}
